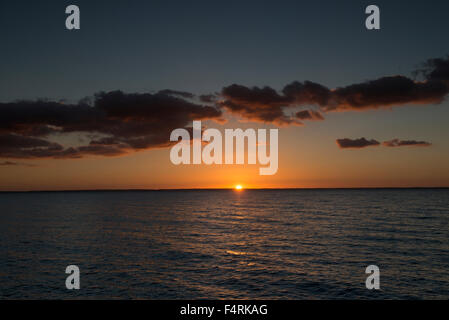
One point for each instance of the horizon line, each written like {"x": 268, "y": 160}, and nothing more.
{"x": 215, "y": 189}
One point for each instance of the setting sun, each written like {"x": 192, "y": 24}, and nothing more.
{"x": 238, "y": 187}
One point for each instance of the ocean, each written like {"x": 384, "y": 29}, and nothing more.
{"x": 225, "y": 244}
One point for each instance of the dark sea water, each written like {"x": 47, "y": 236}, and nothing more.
{"x": 223, "y": 244}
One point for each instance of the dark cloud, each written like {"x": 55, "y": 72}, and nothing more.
{"x": 267, "y": 105}
{"x": 402, "y": 143}
{"x": 116, "y": 122}
{"x": 386, "y": 92}
{"x": 309, "y": 115}
{"x": 307, "y": 93}
{"x": 347, "y": 143}
{"x": 257, "y": 104}
{"x": 436, "y": 69}
{"x": 17, "y": 146}
{"x": 41, "y": 118}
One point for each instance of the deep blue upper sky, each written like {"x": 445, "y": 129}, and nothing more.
{"x": 201, "y": 46}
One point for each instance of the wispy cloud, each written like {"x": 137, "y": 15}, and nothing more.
{"x": 405, "y": 143}
{"x": 359, "y": 143}
{"x": 10, "y": 163}
{"x": 347, "y": 143}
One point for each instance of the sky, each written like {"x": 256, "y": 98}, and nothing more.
{"x": 93, "y": 108}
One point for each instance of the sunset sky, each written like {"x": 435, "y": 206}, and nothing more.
{"x": 94, "y": 108}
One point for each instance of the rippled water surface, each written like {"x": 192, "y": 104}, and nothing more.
{"x": 255, "y": 244}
